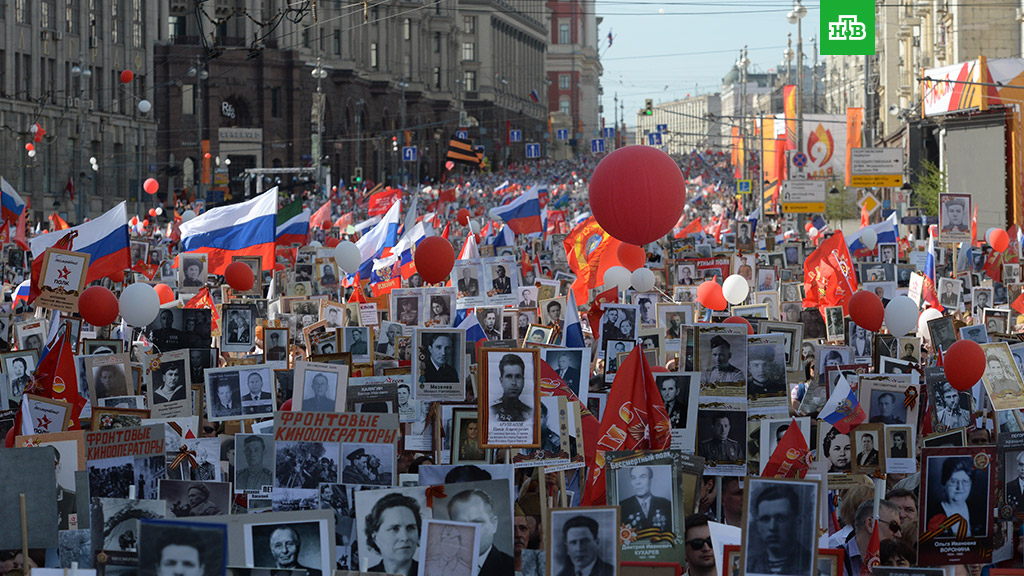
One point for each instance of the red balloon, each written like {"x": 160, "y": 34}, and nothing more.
{"x": 116, "y": 278}
{"x": 151, "y": 186}
{"x": 1000, "y": 240}
{"x": 463, "y": 217}
{"x": 740, "y": 320}
{"x": 30, "y": 146}
{"x": 866, "y": 310}
{"x": 165, "y": 293}
{"x": 659, "y": 369}
{"x": 632, "y": 257}
{"x": 287, "y": 406}
{"x": 127, "y": 76}
{"x": 331, "y": 242}
{"x": 239, "y": 276}
{"x": 38, "y": 137}
{"x": 434, "y": 259}
{"x": 808, "y": 225}
{"x": 326, "y": 225}
{"x": 279, "y": 266}
{"x": 710, "y": 295}
{"x": 98, "y": 305}
{"x": 964, "y": 364}
{"x": 152, "y": 212}
{"x": 637, "y": 194}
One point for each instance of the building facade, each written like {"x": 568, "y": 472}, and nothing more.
{"x": 574, "y": 71}
{"x": 692, "y": 123}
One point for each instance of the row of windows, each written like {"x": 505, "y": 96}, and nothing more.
{"x": 72, "y": 16}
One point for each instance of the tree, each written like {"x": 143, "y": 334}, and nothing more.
{"x": 841, "y": 206}
{"x": 931, "y": 181}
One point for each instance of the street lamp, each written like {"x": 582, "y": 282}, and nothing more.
{"x": 319, "y": 73}
{"x": 795, "y": 16}
{"x": 198, "y": 71}
{"x": 83, "y": 74}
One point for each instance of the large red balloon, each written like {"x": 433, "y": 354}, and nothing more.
{"x": 463, "y": 217}
{"x": 127, "y": 76}
{"x": 1000, "y": 240}
{"x": 98, "y": 306}
{"x": 964, "y": 364}
{"x": 866, "y": 310}
{"x": 434, "y": 259}
{"x": 331, "y": 242}
{"x": 637, "y": 194}
{"x": 710, "y": 295}
{"x": 151, "y": 185}
{"x": 239, "y": 276}
{"x": 740, "y": 320}
{"x": 165, "y": 293}
{"x": 632, "y": 257}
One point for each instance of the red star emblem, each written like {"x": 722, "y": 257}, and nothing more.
{"x": 43, "y": 423}
{"x": 63, "y": 273}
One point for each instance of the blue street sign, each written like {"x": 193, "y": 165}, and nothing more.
{"x": 654, "y": 139}
{"x": 464, "y": 134}
{"x": 597, "y": 145}
{"x": 609, "y": 132}
{"x": 409, "y": 153}
{"x": 563, "y": 134}
{"x": 532, "y": 150}
{"x": 515, "y": 135}
{"x": 799, "y": 159}
{"x": 662, "y": 128}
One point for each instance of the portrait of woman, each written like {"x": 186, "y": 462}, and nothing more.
{"x": 837, "y": 451}
{"x": 439, "y": 310}
{"x": 950, "y": 497}
{"x": 393, "y": 531}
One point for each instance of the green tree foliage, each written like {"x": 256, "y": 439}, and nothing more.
{"x": 931, "y": 181}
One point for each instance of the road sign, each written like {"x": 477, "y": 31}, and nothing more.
{"x": 870, "y": 202}
{"x": 563, "y": 134}
{"x": 803, "y": 196}
{"x": 597, "y": 145}
{"x": 464, "y": 134}
{"x": 876, "y": 167}
{"x": 532, "y": 150}
{"x": 662, "y": 128}
{"x": 515, "y": 135}
{"x": 799, "y": 159}
{"x": 743, "y": 186}
{"x": 654, "y": 139}
{"x": 409, "y": 153}
{"x": 609, "y": 132}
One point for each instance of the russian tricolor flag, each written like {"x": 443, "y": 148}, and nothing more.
{"x": 887, "y": 230}
{"x": 292, "y": 224}
{"x": 474, "y": 331}
{"x": 408, "y": 242}
{"x": 383, "y": 235}
{"x": 11, "y": 204}
{"x": 573, "y": 329}
{"x": 21, "y": 293}
{"x": 246, "y": 229}
{"x": 522, "y": 214}
{"x": 104, "y": 239}
{"x": 843, "y": 410}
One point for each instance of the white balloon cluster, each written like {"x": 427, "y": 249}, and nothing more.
{"x": 347, "y": 257}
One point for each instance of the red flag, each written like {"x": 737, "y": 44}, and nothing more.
{"x": 5, "y": 233}
{"x": 789, "y": 460}
{"x": 865, "y": 219}
{"x": 357, "y": 291}
{"x": 829, "y": 276}
{"x": 636, "y": 419}
{"x": 19, "y": 233}
{"x": 58, "y": 222}
{"x": 1018, "y": 304}
{"x": 526, "y": 265}
{"x": 56, "y": 377}
{"x": 584, "y": 248}
{"x": 691, "y": 228}
{"x": 70, "y": 188}
{"x": 321, "y": 216}
{"x": 444, "y": 233}
{"x": 974, "y": 228}
{"x": 382, "y": 201}
{"x": 609, "y": 296}
{"x": 147, "y": 270}
{"x": 871, "y": 555}
{"x": 64, "y": 243}
{"x": 204, "y": 300}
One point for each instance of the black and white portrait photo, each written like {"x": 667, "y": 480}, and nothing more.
{"x": 191, "y": 272}
{"x": 319, "y": 387}
{"x": 388, "y": 527}
{"x": 619, "y": 322}
{"x": 584, "y": 538}
{"x": 356, "y": 340}
{"x": 223, "y": 394}
{"x": 780, "y": 536}
{"x": 467, "y": 279}
{"x": 552, "y": 311}
{"x": 187, "y": 498}
{"x": 887, "y": 253}
{"x": 367, "y": 464}
{"x": 646, "y": 497}
{"x": 949, "y": 293}
{"x": 766, "y": 369}
{"x": 238, "y": 335}
{"x": 438, "y": 364}
{"x": 723, "y": 358}
{"x": 886, "y": 408}
{"x": 290, "y": 546}
{"x": 275, "y": 344}
{"x": 179, "y": 548}
{"x": 676, "y": 389}
{"x": 254, "y": 462}
{"x": 440, "y": 310}
{"x": 572, "y": 365}
{"x": 501, "y": 283}
{"x": 509, "y": 397}
{"x": 387, "y": 338}
{"x": 981, "y": 298}
{"x": 449, "y": 548}
{"x": 19, "y": 366}
{"x": 168, "y": 382}
{"x": 685, "y": 274}
{"x": 717, "y": 434}
{"x": 527, "y": 297}
{"x": 407, "y": 309}
{"x": 744, "y": 236}
{"x": 956, "y": 493}
{"x": 955, "y": 218}
{"x": 1001, "y": 378}
{"x": 834, "y": 323}
{"x": 257, "y": 389}
{"x": 107, "y": 376}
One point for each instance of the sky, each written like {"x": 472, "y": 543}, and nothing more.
{"x": 665, "y": 50}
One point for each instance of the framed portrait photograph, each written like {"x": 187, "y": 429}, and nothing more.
{"x": 792, "y": 334}
{"x": 679, "y": 392}
{"x": 168, "y": 391}
{"x": 900, "y": 449}
{"x": 573, "y": 366}
{"x": 296, "y": 545}
{"x": 368, "y": 464}
{"x": 358, "y": 341}
{"x": 981, "y": 298}
{"x": 995, "y": 320}
{"x": 467, "y": 278}
{"x": 253, "y": 462}
{"x": 869, "y": 452}
{"x": 108, "y": 376}
{"x": 619, "y": 322}
{"x": 163, "y": 544}
{"x": 509, "y": 397}
{"x": 956, "y": 491}
{"x": 781, "y": 527}
{"x": 835, "y": 449}
{"x": 92, "y": 346}
{"x": 942, "y": 331}
{"x": 955, "y": 218}
{"x": 438, "y": 366}
{"x": 834, "y": 325}
{"x": 719, "y": 435}
{"x": 405, "y": 306}
{"x": 465, "y": 444}
{"x": 440, "y": 304}
{"x": 192, "y": 272}
{"x": 673, "y": 317}
{"x": 722, "y": 359}
{"x": 1001, "y": 378}
{"x": 19, "y": 366}
{"x": 320, "y": 387}
{"x": 539, "y": 334}
{"x": 239, "y": 333}
{"x": 140, "y": 252}
{"x": 275, "y": 344}
{"x": 590, "y": 533}
{"x": 31, "y": 334}
{"x": 950, "y": 292}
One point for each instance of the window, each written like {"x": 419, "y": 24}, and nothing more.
{"x": 563, "y": 34}
{"x": 564, "y": 81}
{"x": 437, "y": 42}
{"x": 565, "y": 106}
{"x": 407, "y": 29}
{"x": 95, "y": 15}
{"x": 337, "y": 42}
{"x": 188, "y": 99}
{"x": 305, "y": 37}
{"x": 275, "y": 102}
{"x": 373, "y": 55}
{"x": 469, "y": 51}
{"x": 176, "y": 26}
{"x": 115, "y": 24}
{"x": 437, "y": 77}
{"x": 469, "y": 24}
{"x": 470, "y": 79}
{"x": 72, "y": 14}
{"x": 138, "y": 17}
{"x": 46, "y": 15}
{"x": 22, "y": 12}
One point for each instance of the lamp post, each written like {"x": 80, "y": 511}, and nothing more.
{"x": 319, "y": 73}
{"x": 198, "y": 71}
{"x": 795, "y": 16}
{"x": 83, "y": 74}
{"x": 400, "y": 169}
{"x": 741, "y": 65}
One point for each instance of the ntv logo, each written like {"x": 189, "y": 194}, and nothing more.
{"x": 847, "y": 28}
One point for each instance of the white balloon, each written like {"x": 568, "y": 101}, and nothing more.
{"x": 812, "y": 232}
{"x": 145, "y": 106}
{"x": 139, "y": 304}
{"x": 642, "y": 279}
{"x": 922, "y": 323}
{"x": 869, "y": 238}
{"x": 735, "y": 289}
{"x": 31, "y": 153}
{"x": 901, "y": 316}
{"x": 910, "y": 236}
{"x": 347, "y": 256}
{"x": 159, "y": 211}
{"x": 474, "y": 226}
{"x": 316, "y": 244}
{"x": 187, "y": 215}
{"x": 618, "y": 276}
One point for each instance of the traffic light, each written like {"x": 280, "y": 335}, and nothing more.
{"x": 358, "y": 177}
{"x": 394, "y": 143}
{"x": 649, "y": 107}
